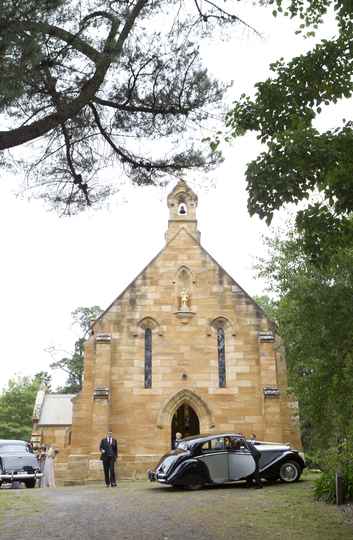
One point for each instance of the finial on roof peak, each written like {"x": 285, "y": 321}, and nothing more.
{"x": 182, "y": 189}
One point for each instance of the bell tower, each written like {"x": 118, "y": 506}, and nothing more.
{"x": 182, "y": 204}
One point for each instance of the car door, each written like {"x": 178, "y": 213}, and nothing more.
{"x": 241, "y": 462}
{"x": 215, "y": 456}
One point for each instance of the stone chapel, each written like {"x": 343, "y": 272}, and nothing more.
{"x": 183, "y": 348}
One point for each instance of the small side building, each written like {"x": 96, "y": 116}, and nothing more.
{"x": 52, "y": 425}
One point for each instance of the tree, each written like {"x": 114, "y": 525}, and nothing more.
{"x": 16, "y": 406}
{"x": 97, "y": 81}
{"x": 73, "y": 365}
{"x": 300, "y": 160}
{"x": 314, "y": 313}
{"x": 268, "y": 305}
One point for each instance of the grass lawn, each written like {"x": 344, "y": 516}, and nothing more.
{"x": 280, "y": 511}
{"x": 285, "y": 512}
{"x": 17, "y": 502}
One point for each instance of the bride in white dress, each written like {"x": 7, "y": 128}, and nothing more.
{"x": 48, "y": 473}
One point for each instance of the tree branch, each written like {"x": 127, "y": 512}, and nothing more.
{"x": 15, "y": 137}
{"x": 198, "y": 8}
{"x": 140, "y": 4}
{"x": 227, "y": 15}
{"x": 141, "y": 109}
{"x": 54, "y": 31}
{"x": 123, "y": 155}
{"x": 94, "y": 14}
{"x": 77, "y": 178}
{"x": 18, "y": 136}
{"x": 127, "y": 157}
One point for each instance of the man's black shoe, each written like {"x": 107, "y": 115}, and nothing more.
{"x": 114, "y": 485}
{"x": 259, "y": 486}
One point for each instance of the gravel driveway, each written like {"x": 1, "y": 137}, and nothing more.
{"x": 140, "y": 510}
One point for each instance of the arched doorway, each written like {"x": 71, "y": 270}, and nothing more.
{"x": 186, "y": 421}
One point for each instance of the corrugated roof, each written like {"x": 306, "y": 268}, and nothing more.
{"x": 56, "y": 410}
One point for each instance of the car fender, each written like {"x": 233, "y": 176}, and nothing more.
{"x": 189, "y": 469}
{"x": 293, "y": 456}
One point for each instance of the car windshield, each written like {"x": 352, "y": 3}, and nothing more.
{"x": 183, "y": 445}
{"x": 13, "y": 448}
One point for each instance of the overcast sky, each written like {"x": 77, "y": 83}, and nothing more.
{"x": 52, "y": 265}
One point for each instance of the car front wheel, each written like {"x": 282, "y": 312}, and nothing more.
{"x": 30, "y": 483}
{"x": 194, "y": 487}
{"x": 290, "y": 472}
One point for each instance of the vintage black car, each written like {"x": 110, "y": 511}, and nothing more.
{"x": 220, "y": 458}
{"x": 18, "y": 463}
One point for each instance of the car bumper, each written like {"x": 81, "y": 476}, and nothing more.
{"x": 19, "y": 476}
{"x": 161, "y": 479}
{"x": 153, "y": 477}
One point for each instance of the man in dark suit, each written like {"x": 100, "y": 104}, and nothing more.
{"x": 256, "y": 454}
{"x": 109, "y": 454}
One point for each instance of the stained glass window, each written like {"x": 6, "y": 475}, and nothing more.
{"x": 221, "y": 357}
{"x": 148, "y": 358}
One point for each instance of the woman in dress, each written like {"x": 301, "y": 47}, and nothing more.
{"x": 41, "y": 460}
{"x": 48, "y": 473}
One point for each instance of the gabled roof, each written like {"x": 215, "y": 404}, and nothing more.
{"x": 56, "y": 410}
{"x": 159, "y": 254}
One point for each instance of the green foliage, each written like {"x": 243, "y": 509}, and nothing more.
{"x": 314, "y": 312}
{"x": 325, "y": 486}
{"x": 98, "y": 82}
{"x": 20, "y": 52}
{"x": 268, "y": 305}
{"x": 299, "y": 160}
{"x": 312, "y": 460}
{"x": 16, "y": 406}
{"x": 73, "y": 365}
{"x": 334, "y": 460}
{"x": 312, "y": 12}
{"x": 84, "y": 316}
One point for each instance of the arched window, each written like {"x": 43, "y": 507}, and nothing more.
{"x": 148, "y": 326}
{"x": 221, "y": 357}
{"x": 148, "y": 358}
{"x": 221, "y": 327}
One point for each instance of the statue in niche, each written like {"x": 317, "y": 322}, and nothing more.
{"x": 184, "y": 300}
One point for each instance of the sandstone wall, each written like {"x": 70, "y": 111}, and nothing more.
{"x": 185, "y": 365}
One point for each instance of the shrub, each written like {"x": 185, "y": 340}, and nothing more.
{"x": 312, "y": 460}
{"x": 332, "y": 460}
{"x": 325, "y": 487}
